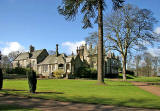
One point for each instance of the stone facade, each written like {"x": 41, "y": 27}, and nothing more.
{"x": 89, "y": 56}
{"x": 33, "y": 58}
{"x": 45, "y": 64}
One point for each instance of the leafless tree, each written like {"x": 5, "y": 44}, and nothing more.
{"x": 13, "y": 55}
{"x": 129, "y": 28}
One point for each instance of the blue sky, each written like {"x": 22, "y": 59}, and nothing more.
{"x": 37, "y": 22}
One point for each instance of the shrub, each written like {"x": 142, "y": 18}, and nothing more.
{"x": 1, "y": 79}
{"x": 16, "y": 70}
{"x": 58, "y": 73}
{"x": 84, "y": 72}
{"x": 32, "y": 80}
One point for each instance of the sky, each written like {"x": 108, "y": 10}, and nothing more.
{"x": 37, "y": 22}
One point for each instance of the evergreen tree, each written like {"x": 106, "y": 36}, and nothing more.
{"x": 32, "y": 80}
{"x": 92, "y": 9}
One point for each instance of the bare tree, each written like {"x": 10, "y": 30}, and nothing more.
{"x": 129, "y": 28}
{"x": 13, "y": 55}
{"x": 148, "y": 61}
{"x": 137, "y": 62}
{"x": 155, "y": 65}
{"x": 92, "y": 38}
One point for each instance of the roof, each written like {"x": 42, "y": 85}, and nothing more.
{"x": 25, "y": 55}
{"x": 53, "y": 59}
{"x": 22, "y": 56}
{"x": 36, "y": 53}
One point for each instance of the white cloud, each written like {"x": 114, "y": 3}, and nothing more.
{"x": 11, "y": 46}
{"x": 154, "y": 51}
{"x": 72, "y": 46}
{"x": 157, "y": 30}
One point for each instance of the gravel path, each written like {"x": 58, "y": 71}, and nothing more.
{"x": 51, "y": 105}
{"x": 150, "y": 88}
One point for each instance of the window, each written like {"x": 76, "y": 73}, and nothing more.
{"x": 60, "y": 66}
{"x": 67, "y": 66}
{"x": 45, "y": 68}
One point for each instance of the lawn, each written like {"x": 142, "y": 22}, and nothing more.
{"x": 141, "y": 79}
{"x": 86, "y": 91}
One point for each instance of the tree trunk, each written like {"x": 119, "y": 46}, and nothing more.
{"x": 100, "y": 44}
{"x": 124, "y": 68}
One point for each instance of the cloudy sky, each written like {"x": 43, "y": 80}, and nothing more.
{"x": 37, "y": 22}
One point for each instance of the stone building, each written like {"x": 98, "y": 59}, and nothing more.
{"x": 33, "y": 58}
{"x": 45, "y": 64}
{"x": 89, "y": 56}
{"x": 69, "y": 64}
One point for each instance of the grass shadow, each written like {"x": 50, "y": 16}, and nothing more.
{"x": 49, "y": 93}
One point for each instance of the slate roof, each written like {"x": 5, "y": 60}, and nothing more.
{"x": 25, "y": 55}
{"x": 52, "y": 59}
{"x": 36, "y": 53}
{"x": 22, "y": 56}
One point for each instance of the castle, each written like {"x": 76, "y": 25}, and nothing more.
{"x": 45, "y": 64}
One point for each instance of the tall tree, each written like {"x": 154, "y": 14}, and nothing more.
{"x": 92, "y": 9}
{"x": 137, "y": 61}
{"x": 129, "y": 28}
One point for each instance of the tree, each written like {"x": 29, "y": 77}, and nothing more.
{"x": 148, "y": 61}
{"x": 13, "y": 55}
{"x": 155, "y": 65}
{"x": 92, "y": 9}
{"x": 32, "y": 80}
{"x": 137, "y": 61}
{"x": 92, "y": 38}
{"x": 6, "y": 63}
{"x": 127, "y": 29}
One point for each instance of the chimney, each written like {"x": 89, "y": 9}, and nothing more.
{"x": 57, "y": 50}
{"x": 72, "y": 53}
{"x": 31, "y": 49}
{"x": 77, "y": 51}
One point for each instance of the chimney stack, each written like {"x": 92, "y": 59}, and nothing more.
{"x": 57, "y": 50}
{"x": 31, "y": 49}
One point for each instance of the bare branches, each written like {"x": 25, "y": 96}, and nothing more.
{"x": 130, "y": 28}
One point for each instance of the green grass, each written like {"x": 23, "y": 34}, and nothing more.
{"x": 141, "y": 79}
{"x": 14, "y": 108}
{"x": 146, "y": 79}
{"x": 86, "y": 91}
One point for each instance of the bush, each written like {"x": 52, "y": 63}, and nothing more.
{"x": 17, "y": 70}
{"x": 1, "y": 79}
{"x": 32, "y": 80}
{"x": 58, "y": 73}
{"x": 84, "y": 72}
{"x": 130, "y": 72}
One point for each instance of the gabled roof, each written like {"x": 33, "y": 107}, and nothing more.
{"x": 25, "y": 55}
{"x": 22, "y": 56}
{"x": 53, "y": 59}
{"x": 36, "y": 53}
